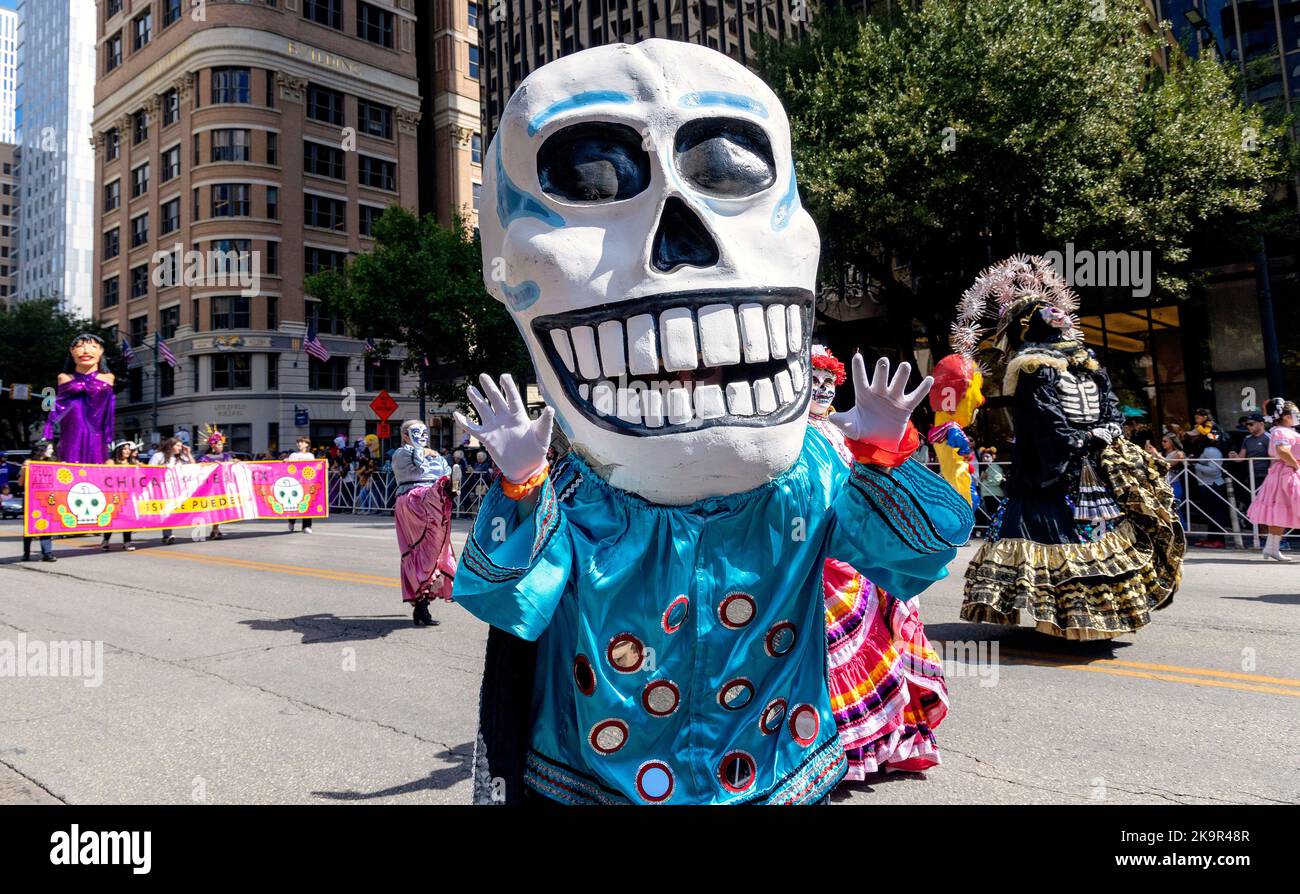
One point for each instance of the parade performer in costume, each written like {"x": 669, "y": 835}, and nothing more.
{"x": 957, "y": 393}
{"x": 216, "y": 453}
{"x": 1087, "y": 542}
{"x": 422, "y": 516}
{"x": 1277, "y": 502}
{"x": 886, "y": 681}
{"x": 656, "y": 601}
{"x": 121, "y": 457}
{"x": 84, "y": 404}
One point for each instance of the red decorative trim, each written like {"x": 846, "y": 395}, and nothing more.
{"x": 612, "y": 723}
{"x": 803, "y": 711}
{"x": 768, "y": 724}
{"x": 748, "y": 760}
{"x": 727, "y": 601}
{"x": 626, "y": 638}
{"x": 875, "y": 455}
{"x": 579, "y": 663}
{"x": 771, "y": 634}
{"x": 673, "y": 628}
{"x": 738, "y": 681}
{"x": 640, "y": 785}
{"x": 660, "y": 684}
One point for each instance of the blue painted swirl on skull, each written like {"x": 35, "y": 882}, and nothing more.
{"x": 577, "y": 101}
{"x": 514, "y": 203}
{"x": 788, "y": 204}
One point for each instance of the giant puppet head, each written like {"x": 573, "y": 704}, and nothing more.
{"x": 643, "y": 227}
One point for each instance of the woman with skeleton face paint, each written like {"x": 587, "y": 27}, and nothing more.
{"x": 886, "y": 681}
{"x": 422, "y": 515}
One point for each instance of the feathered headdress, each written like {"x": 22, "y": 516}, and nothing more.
{"x": 213, "y": 436}
{"x": 824, "y": 360}
{"x": 1002, "y": 291}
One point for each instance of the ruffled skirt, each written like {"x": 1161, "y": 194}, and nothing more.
{"x": 1277, "y": 502}
{"x": 422, "y": 517}
{"x": 1077, "y": 586}
{"x": 886, "y": 681}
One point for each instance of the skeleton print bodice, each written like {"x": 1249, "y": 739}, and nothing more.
{"x": 1080, "y": 398}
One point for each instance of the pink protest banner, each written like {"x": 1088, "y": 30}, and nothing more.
{"x": 78, "y": 498}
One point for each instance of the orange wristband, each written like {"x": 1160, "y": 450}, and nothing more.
{"x": 519, "y": 491}
{"x": 872, "y": 455}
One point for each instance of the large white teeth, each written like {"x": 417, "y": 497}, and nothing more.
{"x": 652, "y": 403}
{"x": 584, "y": 345}
{"x": 753, "y": 333}
{"x": 764, "y": 396}
{"x": 776, "y": 330}
{"x": 604, "y": 398}
{"x": 796, "y": 373}
{"x": 679, "y": 404}
{"x": 719, "y": 337}
{"x": 794, "y": 328}
{"x": 642, "y": 349}
{"x": 611, "y": 348}
{"x": 630, "y": 400}
{"x": 677, "y": 336}
{"x": 709, "y": 403}
{"x": 740, "y": 400}
{"x": 784, "y": 389}
{"x": 560, "y": 339}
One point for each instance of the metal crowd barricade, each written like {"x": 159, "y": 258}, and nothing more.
{"x": 1209, "y": 511}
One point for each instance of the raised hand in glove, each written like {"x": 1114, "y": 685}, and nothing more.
{"x": 516, "y": 443}
{"x": 882, "y": 406}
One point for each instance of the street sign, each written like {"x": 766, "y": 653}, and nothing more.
{"x": 383, "y": 430}
{"x": 301, "y": 417}
{"x": 383, "y": 405}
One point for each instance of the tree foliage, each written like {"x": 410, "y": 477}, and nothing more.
{"x": 34, "y": 340}
{"x": 953, "y": 133}
{"x": 421, "y": 287}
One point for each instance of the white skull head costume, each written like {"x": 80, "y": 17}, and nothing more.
{"x": 86, "y": 502}
{"x": 289, "y": 494}
{"x": 648, "y": 239}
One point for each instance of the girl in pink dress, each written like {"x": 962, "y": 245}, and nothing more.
{"x": 1276, "y": 506}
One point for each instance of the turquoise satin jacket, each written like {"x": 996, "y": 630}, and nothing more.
{"x": 681, "y": 649}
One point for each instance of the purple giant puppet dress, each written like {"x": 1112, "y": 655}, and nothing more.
{"x": 83, "y": 410}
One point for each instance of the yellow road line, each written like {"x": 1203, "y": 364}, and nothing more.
{"x": 248, "y": 565}
{"x": 1068, "y": 661}
{"x": 1191, "y": 681}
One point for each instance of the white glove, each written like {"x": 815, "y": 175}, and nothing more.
{"x": 881, "y": 412}
{"x": 1103, "y": 435}
{"x": 516, "y": 443}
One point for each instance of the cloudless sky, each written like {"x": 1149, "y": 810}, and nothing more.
{"x": 8, "y": 4}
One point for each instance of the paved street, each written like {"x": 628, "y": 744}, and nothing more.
{"x": 269, "y": 668}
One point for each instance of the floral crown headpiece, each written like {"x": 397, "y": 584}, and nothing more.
{"x": 1000, "y": 290}
{"x": 824, "y": 360}
{"x": 213, "y": 436}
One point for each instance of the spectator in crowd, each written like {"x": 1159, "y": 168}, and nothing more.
{"x": 991, "y": 478}
{"x": 1254, "y": 446}
{"x": 42, "y": 451}
{"x": 365, "y": 478}
{"x": 1209, "y": 497}
{"x": 124, "y": 454}
{"x": 301, "y": 454}
{"x": 173, "y": 452}
{"x": 1171, "y": 448}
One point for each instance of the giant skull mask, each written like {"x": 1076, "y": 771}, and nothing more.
{"x": 643, "y": 227}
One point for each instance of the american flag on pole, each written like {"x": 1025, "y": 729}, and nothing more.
{"x": 127, "y": 354}
{"x": 312, "y": 344}
{"x": 165, "y": 353}
{"x": 371, "y": 349}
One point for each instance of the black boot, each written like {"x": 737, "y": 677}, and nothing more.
{"x": 422, "y": 616}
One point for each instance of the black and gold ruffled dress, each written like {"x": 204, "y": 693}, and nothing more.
{"x": 1087, "y": 542}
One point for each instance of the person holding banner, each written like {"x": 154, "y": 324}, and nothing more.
{"x": 302, "y": 454}
{"x": 217, "y": 453}
{"x": 123, "y": 455}
{"x": 422, "y": 516}
{"x": 173, "y": 452}
{"x": 84, "y": 404}
{"x": 42, "y": 451}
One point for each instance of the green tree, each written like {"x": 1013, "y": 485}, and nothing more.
{"x": 949, "y": 134}
{"x": 34, "y": 340}
{"x": 422, "y": 288}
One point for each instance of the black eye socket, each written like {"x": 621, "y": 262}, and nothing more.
{"x": 596, "y": 161}
{"x": 725, "y": 156}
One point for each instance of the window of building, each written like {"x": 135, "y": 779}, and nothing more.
{"x": 322, "y": 160}
{"x": 473, "y": 15}
{"x": 169, "y": 216}
{"x": 112, "y": 293}
{"x": 231, "y": 371}
{"x": 114, "y": 7}
{"x": 230, "y": 312}
{"x": 317, "y": 259}
{"x": 273, "y": 437}
{"x": 139, "y": 281}
{"x": 476, "y": 190}
{"x": 231, "y": 85}
{"x": 476, "y": 149}
{"x": 325, "y": 212}
{"x": 171, "y": 107}
{"x": 272, "y": 372}
{"x": 231, "y": 259}
{"x": 171, "y": 164}
{"x": 384, "y": 375}
{"x": 139, "y": 127}
{"x": 113, "y": 52}
{"x": 272, "y": 148}
{"x": 473, "y": 62}
{"x": 232, "y": 145}
{"x": 324, "y": 12}
{"x": 169, "y": 321}
{"x": 366, "y": 218}
{"x": 377, "y": 173}
{"x": 374, "y": 119}
{"x": 270, "y": 87}
{"x": 112, "y": 144}
{"x": 139, "y": 230}
{"x": 325, "y": 325}
{"x": 166, "y": 380}
{"x": 273, "y": 202}
{"x": 171, "y": 11}
{"x": 196, "y": 161}
{"x": 230, "y": 200}
{"x": 374, "y": 24}
{"x": 324, "y": 104}
{"x": 272, "y": 313}
{"x": 112, "y": 243}
{"x": 135, "y": 385}
{"x": 141, "y": 31}
{"x": 140, "y": 180}
{"x": 271, "y": 261}
{"x": 332, "y": 375}
{"x": 139, "y": 330}
{"x": 112, "y": 195}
